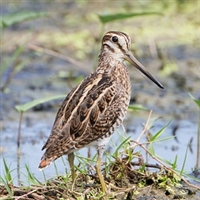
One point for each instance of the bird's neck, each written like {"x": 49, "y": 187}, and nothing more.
{"x": 115, "y": 68}
{"x": 108, "y": 63}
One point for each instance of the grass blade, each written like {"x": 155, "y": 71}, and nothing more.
{"x": 14, "y": 18}
{"x": 159, "y": 133}
{"x": 151, "y": 149}
{"x": 8, "y": 176}
{"x": 7, "y": 187}
{"x": 31, "y": 178}
{"x": 115, "y": 154}
{"x": 185, "y": 158}
{"x": 195, "y": 100}
{"x": 56, "y": 169}
{"x": 174, "y": 165}
{"x": 136, "y": 107}
{"x": 29, "y": 105}
{"x": 120, "y": 16}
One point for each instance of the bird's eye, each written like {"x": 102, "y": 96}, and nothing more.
{"x": 115, "y": 39}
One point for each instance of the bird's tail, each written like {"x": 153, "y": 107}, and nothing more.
{"x": 45, "y": 162}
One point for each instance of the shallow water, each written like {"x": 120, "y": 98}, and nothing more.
{"x": 34, "y": 134}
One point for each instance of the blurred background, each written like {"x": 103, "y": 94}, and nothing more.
{"x": 48, "y": 47}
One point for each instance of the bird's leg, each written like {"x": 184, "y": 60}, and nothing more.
{"x": 98, "y": 169}
{"x": 71, "y": 164}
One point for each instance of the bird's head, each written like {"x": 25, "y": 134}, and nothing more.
{"x": 117, "y": 45}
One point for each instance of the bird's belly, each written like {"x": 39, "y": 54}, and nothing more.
{"x": 100, "y": 142}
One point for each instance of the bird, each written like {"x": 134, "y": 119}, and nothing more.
{"x": 96, "y": 107}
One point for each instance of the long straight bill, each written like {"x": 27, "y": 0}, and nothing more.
{"x": 131, "y": 59}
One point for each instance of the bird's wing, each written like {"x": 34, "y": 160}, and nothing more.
{"x": 88, "y": 113}
{"x": 66, "y": 109}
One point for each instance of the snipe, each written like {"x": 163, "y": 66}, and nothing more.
{"x": 96, "y": 107}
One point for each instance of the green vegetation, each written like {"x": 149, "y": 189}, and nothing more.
{"x": 19, "y": 17}
{"x": 122, "y": 16}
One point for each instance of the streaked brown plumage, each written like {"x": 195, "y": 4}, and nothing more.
{"x": 97, "y": 106}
